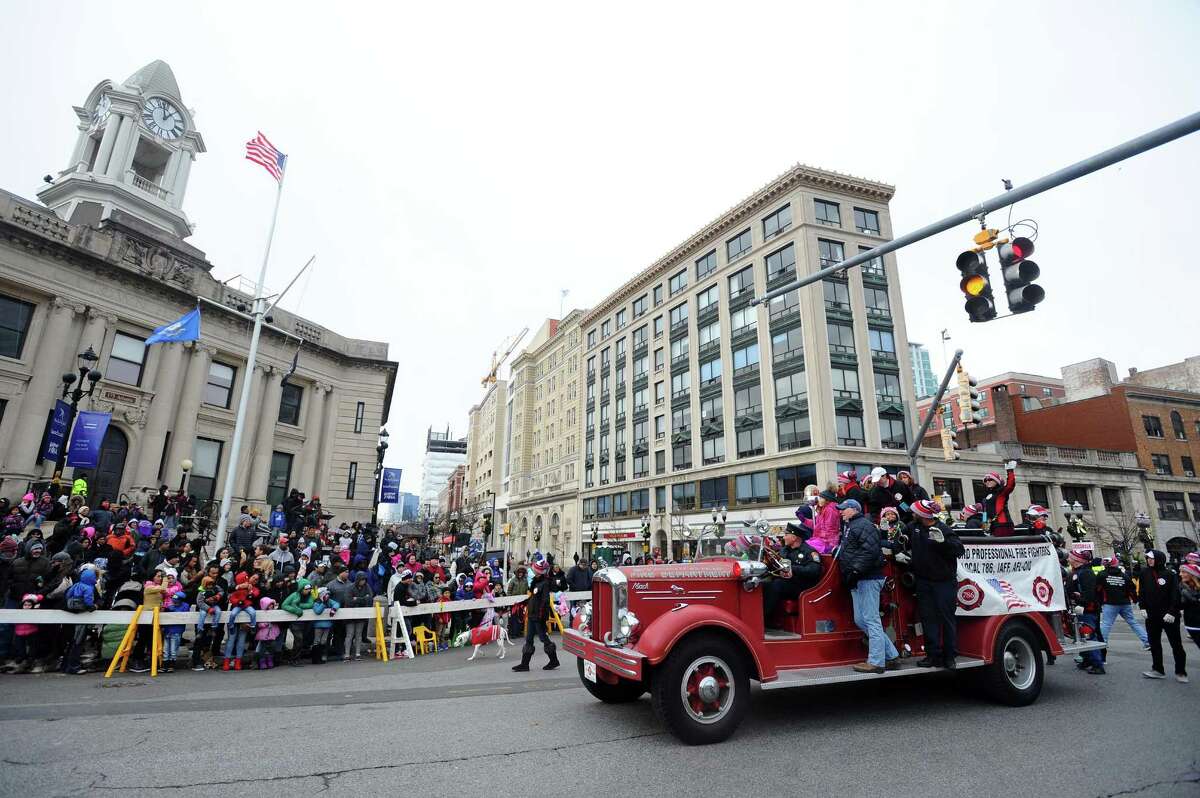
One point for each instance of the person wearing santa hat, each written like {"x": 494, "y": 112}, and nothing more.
{"x": 1189, "y": 596}
{"x": 1082, "y": 588}
{"x": 997, "y": 518}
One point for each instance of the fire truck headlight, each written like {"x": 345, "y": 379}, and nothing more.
{"x": 627, "y": 624}
{"x": 584, "y": 625}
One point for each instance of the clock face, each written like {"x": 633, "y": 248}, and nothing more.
{"x": 100, "y": 112}
{"x": 162, "y": 119}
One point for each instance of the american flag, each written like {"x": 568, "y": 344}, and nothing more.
{"x": 263, "y": 153}
{"x": 1011, "y": 599}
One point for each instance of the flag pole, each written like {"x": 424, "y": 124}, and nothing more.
{"x": 244, "y": 401}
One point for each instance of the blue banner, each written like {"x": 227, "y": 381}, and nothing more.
{"x": 185, "y": 328}
{"x": 389, "y": 493}
{"x": 56, "y": 438}
{"x": 84, "y": 451}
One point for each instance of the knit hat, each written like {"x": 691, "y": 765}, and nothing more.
{"x": 847, "y": 477}
{"x": 539, "y": 566}
{"x": 1190, "y": 569}
{"x": 878, "y": 472}
{"x": 244, "y": 518}
{"x": 8, "y": 548}
{"x": 407, "y": 574}
{"x": 1078, "y": 557}
{"x": 89, "y": 531}
{"x": 322, "y": 592}
{"x": 1111, "y": 562}
{"x": 804, "y": 513}
{"x": 1037, "y": 511}
{"x": 1192, "y": 557}
{"x": 828, "y": 495}
{"x": 887, "y": 510}
{"x": 32, "y": 598}
{"x": 993, "y": 476}
{"x": 28, "y": 497}
{"x": 925, "y": 508}
{"x": 37, "y": 545}
{"x": 970, "y": 510}
{"x": 903, "y": 473}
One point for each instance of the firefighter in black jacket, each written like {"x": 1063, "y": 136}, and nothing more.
{"x": 1086, "y": 606}
{"x": 805, "y": 565}
{"x": 1158, "y": 589}
{"x": 537, "y": 616}
{"x": 934, "y": 562}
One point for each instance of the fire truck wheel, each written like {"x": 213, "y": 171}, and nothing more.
{"x": 1016, "y": 673}
{"x": 702, "y": 690}
{"x": 623, "y": 692}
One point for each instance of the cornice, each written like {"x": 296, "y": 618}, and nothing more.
{"x": 799, "y": 176}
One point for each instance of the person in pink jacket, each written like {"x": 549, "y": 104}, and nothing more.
{"x": 268, "y": 637}
{"x": 827, "y": 523}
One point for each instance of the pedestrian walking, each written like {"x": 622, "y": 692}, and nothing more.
{"x": 1159, "y": 600}
{"x": 538, "y": 614}
{"x": 1116, "y": 593}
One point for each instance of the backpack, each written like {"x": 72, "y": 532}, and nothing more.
{"x": 77, "y": 598}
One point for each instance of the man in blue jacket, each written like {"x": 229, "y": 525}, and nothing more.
{"x": 860, "y": 559}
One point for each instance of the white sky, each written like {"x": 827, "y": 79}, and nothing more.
{"x": 454, "y": 165}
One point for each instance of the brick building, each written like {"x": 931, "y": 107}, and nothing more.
{"x": 1033, "y": 390}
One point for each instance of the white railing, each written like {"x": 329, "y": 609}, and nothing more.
{"x": 149, "y": 186}
{"x": 1064, "y": 454}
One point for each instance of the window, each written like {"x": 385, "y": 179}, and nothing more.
{"x": 15, "y": 316}
{"x": 873, "y": 267}
{"x": 887, "y": 386}
{"x": 619, "y": 471}
{"x": 781, "y": 261}
{"x": 641, "y": 366}
{"x": 660, "y": 427}
{"x": 791, "y": 387}
{"x": 784, "y": 305}
{"x": 678, "y": 282}
{"x": 1153, "y": 426}
{"x": 1170, "y": 506}
{"x": 706, "y": 300}
{"x": 742, "y": 283}
{"x": 877, "y": 301}
{"x": 679, "y": 315}
{"x": 1189, "y": 470}
{"x": 828, "y": 213}
{"x": 659, "y": 359}
{"x": 591, "y": 338}
{"x": 750, "y": 442}
{"x": 280, "y": 477}
{"x": 891, "y": 433}
{"x": 359, "y": 411}
{"x": 660, "y": 462}
{"x": 777, "y": 222}
{"x": 710, "y": 408}
{"x": 605, "y": 329}
{"x": 866, "y": 221}
{"x": 206, "y": 463}
{"x": 737, "y": 246}
{"x": 660, "y": 393}
{"x": 639, "y": 336}
{"x": 882, "y": 342}
{"x": 787, "y": 345}
{"x": 790, "y": 482}
{"x": 658, "y": 327}
{"x": 351, "y": 480}
{"x": 127, "y": 360}
{"x": 589, "y": 508}
{"x": 943, "y": 485}
{"x": 832, "y": 252}
{"x": 680, "y": 420}
{"x": 658, "y": 295}
{"x": 747, "y": 400}
{"x": 1039, "y": 494}
{"x": 289, "y": 405}
{"x": 622, "y": 318}
{"x": 850, "y": 430}
{"x": 605, "y": 359}
{"x": 744, "y": 320}
{"x": 604, "y": 505}
{"x": 639, "y": 431}
{"x": 219, "y": 388}
{"x": 753, "y": 488}
{"x": 837, "y": 294}
{"x": 794, "y": 433}
{"x": 746, "y": 357}
{"x": 640, "y": 306}
{"x": 683, "y": 496}
{"x": 591, "y": 366}
{"x": 681, "y": 456}
{"x": 1111, "y": 497}
{"x": 640, "y": 397}
{"x": 841, "y": 337}
{"x": 709, "y": 334}
{"x": 714, "y": 492}
{"x": 620, "y": 349}
{"x": 713, "y": 450}
{"x": 845, "y": 383}
{"x": 1177, "y": 426}
{"x": 706, "y": 265}
{"x": 1161, "y": 463}
{"x": 1072, "y": 494}
{"x": 639, "y": 501}
{"x": 681, "y": 383}
{"x": 1047, "y": 392}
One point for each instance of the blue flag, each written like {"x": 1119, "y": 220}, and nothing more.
{"x": 185, "y": 328}
{"x": 389, "y": 492}
{"x": 86, "y": 439}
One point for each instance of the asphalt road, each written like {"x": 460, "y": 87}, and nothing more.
{"x": 440, "y": 725}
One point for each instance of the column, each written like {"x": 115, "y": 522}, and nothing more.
{"x": 253, "y": 383}
{"x": 42, "y": 389}
{"x": 183, "y": 430}
{"x": 80, "y": 145}
{"x": 325, "y": 456}
{"x": 179, "y": 184}
{"x": 120, "y": 152}
{"x": 314, "y": 430}
{"x": 166, "y": 391}
{"x": 106, "y": 145}
{"x": 95, "y": 329}
{"x": 264, "y": 441}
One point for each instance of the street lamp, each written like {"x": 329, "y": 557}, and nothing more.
{"x": 87, "y": 373}
{"x": 380, "y": 450}
{"x": 1142, "y": 521}
{"x": 1073, "y": 511}
{"x": 186, "y": 465}
{"x": 718, "y": 518}
{"x": 645, "y": 533}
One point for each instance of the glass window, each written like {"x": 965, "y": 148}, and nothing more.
{"x": 681, "y": 383}
{"x": 351, "y": 480}
{"x": 605, "y": 359}
{"x": 737, "y": 246}
{"x": 640, "y": 306}
{"x": 206, "y": 463}
{"x": 887, "y": 386}
{"x": 837, "y": 294}
{"x": 622, "y": 318}
{"x": 710, "y": 408}
{"x": 1112, "y": 499}
{"x": 710, "y": 333}
{"x": 791, "y": 387}
{"x": 359, "y": 412}
{"x": 845, "y": 383}
{"x": 790, "y": 482}
{"x": 750, "y": 442}
{"x": 1153, "y": 426}
{"x": 743, "y": 281}
{"x": 639, "y": 431}
{"x": 641, "y": 366}
{"x": 777, "y": 222}
{"x": 714, "y": 492}
{"x": 620, "y": 501}
{"x": 850, "y": 430}
{"x": 639, "y": 500}
{"x": 891, "y": 432}
{"x": 15, "y": 316}
{"x": 1039, "y": 494}
{"x": 1074, "y": 493}
{"x": 745, "y": 357}
{"x": 1177, "y": 426}
{"x": 660, "y": 427}
{"x": 753, "y": 488}
{"x": 794, "y": 433}
{"x": 1189, "y": 468}
{"x": 620, "y": 349}
{"x": 706, "y": 265}
{"x": 679, "y": 348}
{"x": 1170, "y": 506}
{"x": 289, "y": 405}
{"x": 658, "y": 327}
{"x": 877, "y": 300}
{"x": 639, "y": 336}
{"x": 280, "y": 477}
{"x": 713, "y": 450}
{"x": 841, "y": 337}
{"x": 680, "y": 420}
{"x": 747, "y": 400}
{"x": 874, "y": 266}
{"x": 683, "y": 496}
{"x": 832, "y": 252}
{"x": 882, "y": 341}
{"x": 1161, "y": 463}
{"x": 784, "y": 305}
{"x": 219, "y": 388}
{"x": 743, "y": 320}
{"x": 127, "y": 359}
{"x": 787, "y": 344}
{"x": 660, "y": 461}
{"x": 780, "y": 261}
{"x": 604, "y": 506}
{"x": 707, "y": 299}
{"x": 678, "y": 282}
{"x": 659, "y": 359}
{"x": 605, "y": 328}
{"x": 953, "y": 487}
{"x": 591, "y": 338}
{"x": 828, "y": 213}
{"x": 658, "y": 295}
{"x": 591, "y": 365}
{"x": 660, "y": 393}
{"x": 866, "y": 221}
{"x": 710, "y": 371}
{"x": 681, "y": 456}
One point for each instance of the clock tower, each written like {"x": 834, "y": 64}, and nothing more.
{"x": 133, "y": 155}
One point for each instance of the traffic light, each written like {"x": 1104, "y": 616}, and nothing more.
{"x": 1019, "y": 274}
{"x": 976, "y": 285}
{"x": 969, "y": 399}
{"x": 949, "y": 443}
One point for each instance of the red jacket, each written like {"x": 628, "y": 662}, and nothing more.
{"x": 995, "y": 507}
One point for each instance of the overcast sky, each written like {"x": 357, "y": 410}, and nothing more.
{"x": 453, "y": 166}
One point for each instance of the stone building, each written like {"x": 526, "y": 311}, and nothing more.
{"x": 486, "y": 424}
{"x": 101, "y": 264}
{"x": 1031, "y": 390}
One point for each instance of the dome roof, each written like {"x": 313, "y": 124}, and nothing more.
{"x": 155, "y": 78}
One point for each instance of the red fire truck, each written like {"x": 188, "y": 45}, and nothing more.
{"x": 693, "y": 635}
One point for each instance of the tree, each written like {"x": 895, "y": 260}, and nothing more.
{"x": 1122, "y": 535}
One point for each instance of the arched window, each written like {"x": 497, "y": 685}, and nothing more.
{"x": 554, "y": 522}
{"x": 1177, "y": 426}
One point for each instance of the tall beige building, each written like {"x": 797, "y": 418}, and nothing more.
{"x": 694, "y": 399}
{"x": 542, "y": 467}
{"x": 487, "y": 423}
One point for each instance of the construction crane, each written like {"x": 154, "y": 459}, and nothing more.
{"x": 508, "y": 346}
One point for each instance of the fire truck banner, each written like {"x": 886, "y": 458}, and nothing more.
{"x": 1000, "y": 580}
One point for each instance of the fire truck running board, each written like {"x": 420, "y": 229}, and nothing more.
{"x": 810, "y": 677}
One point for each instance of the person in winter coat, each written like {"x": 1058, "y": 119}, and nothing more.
{"x": 121, "y": 542}
{"x": 934, "y": 561}
{"x": 28, "y": 574}
{"x": 848, "y": 488}
{"x": 887, "y": 491}
{"x": 997, "y": 516}
{"x": 1158, "y": 596}
{"x": 81, "y": 598}
{"x": 24, "y": 650}
{"x": 296, "y": 603}
{"x": 579, "y": 577}
{"x": 1116, "y": 593}
{"x": 539, "y": 614}
{"x": 860, "y": 560}
{"x": 360, "y": 595}
{"x": 827, "y": 523}
{"x": 268, "y": 637}
{"x": 1189, "y": 598}
{"x": 805, "y": 569}
{"x": 172, "y": 634}
{"x": 1086, "y": 606}
{"x": 325, "y": 607}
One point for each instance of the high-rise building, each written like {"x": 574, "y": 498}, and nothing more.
{"x": 443, "y": 454}
{"x": 695, "y": 399}
{"x": 925, "y": 383}
{"x": 487, "y": 425}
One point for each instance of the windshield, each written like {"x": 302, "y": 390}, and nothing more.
{"x": 741, "y": 542}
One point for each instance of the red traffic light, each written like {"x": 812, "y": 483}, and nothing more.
{"x": 1017, "y": 249}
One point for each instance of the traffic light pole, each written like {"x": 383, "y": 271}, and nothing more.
{"x": 1145, "y": 142}
{"x": 915, "y": 446}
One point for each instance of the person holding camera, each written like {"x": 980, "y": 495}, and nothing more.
{"x": 860, "y": 559}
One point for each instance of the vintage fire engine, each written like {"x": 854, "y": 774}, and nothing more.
{"x": 693, "y": 636}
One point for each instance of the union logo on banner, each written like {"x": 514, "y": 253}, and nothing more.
{"x": 970, "y": 595}
{"x": 1043, "y": 591}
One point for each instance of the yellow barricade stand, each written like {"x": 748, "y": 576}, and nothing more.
{"x": 126, "y": 647}
{"x": 156, "y": 646}
{"x": 380, "y": 643}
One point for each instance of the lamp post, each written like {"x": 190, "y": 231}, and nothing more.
{"x": 1073, "y": 511}
{"x": 380, "y": 450}
{"x": 1145, "y": 535}
{"x": 92, "y": 376}
{"x": 718, "y": 519}
{"x": 645, "y": 534}
{"x": 186, "y": 465}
